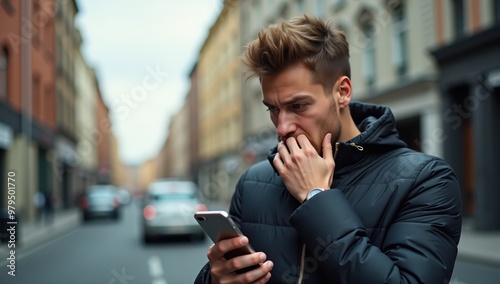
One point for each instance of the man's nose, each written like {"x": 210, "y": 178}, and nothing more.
{"x": 286, "y": 125}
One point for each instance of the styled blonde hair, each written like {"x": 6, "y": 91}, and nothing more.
{"x": 322, "y": 47}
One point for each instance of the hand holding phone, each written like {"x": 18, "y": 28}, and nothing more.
{"x": 219, "y": 226}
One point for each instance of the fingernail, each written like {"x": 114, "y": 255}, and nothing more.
{"x": 243, "y": 240}
{"x": 262, "y": 257}
{"x": 268, "y": 276}
{"x": 329, "y": 137}
{"x": 270, "y": 264}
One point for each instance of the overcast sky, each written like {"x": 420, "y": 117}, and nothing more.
{"x": 143, "y": 52}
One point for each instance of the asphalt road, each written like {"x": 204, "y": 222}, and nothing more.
{"x": 105, "y": 251}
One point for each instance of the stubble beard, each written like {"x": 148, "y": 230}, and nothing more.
{"x": 335, "y": 130}
{"x": 333, "y": 126}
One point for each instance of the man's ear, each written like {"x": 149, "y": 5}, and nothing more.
{"x": 344, "y": 88}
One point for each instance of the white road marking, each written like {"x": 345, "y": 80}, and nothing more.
{"x": 156, "y": 270}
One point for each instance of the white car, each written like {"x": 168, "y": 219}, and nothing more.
{"x": 169, "y": 207}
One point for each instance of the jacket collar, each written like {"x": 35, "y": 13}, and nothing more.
{"x": 378, "y": 133}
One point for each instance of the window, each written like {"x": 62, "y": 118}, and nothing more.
{"x": 47, "y": 33}
{"x": 60, "y": 108}
{"x": 35, "y": 32}
{"x": 8, "y": 6}
{"x": 4, "y": 63}
{"x": 496, "y": 11}
{"x": 35, "y": 99}
{"x": 59, "y": 57}
{"x": 458, "y": 17}
{"x": 400, "y": 53}
{"x": 45, "y": 105}
{"x": 369, "y": 52}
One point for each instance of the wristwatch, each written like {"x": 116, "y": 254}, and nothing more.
{"x": 313, "y": 192}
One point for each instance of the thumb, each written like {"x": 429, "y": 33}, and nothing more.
{"x": 327, "y": 147}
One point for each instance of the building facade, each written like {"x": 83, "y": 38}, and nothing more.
{"x": 194, "y": 124}
{"x": 174, "y": 157}
{"x": 27, "y": 100}
{"x": 468, "y": 56}
{"x": 179, "y": 154}
{"x": 118, "y": 169}
{"x": 49, "y": 124}
{"x": 103, "y": 136}
{"x": 87, "y": 90}
{"x": 67, "y": 42}
{"x": 220, "y": 104}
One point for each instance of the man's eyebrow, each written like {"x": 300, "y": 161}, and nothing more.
{"x": 291, "y": 101}
{"x": 266, "y": 104}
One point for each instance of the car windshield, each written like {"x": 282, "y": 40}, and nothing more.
{"x": 101, "y": 195}
{"x": 172, "y": 197}
{"x": 165, "y": 191}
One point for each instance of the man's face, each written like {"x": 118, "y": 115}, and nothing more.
{"x": 297, "y": 106}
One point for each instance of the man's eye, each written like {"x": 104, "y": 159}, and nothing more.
{"x": 298, "y": 106}
{"x": 272, "y": 110}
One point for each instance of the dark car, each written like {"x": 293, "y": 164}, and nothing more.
{"x": 169, "y": 207}
{"x": 101, "y": 201}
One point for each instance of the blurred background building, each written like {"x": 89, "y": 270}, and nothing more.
{"x": 435, "y": 63}
{"x": 68, "y": 42}
{"x": 220, "y": 104}
{"x": 55, "y": 132}
{"x": 468, "y": 58}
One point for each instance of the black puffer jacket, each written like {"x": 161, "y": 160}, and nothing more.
{"x": 392, "y": 216}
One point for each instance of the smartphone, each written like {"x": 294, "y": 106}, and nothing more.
{"x": 219, "y": 226}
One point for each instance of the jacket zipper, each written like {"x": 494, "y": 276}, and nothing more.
{"x": 336, "y": 150}
{"x": 302, "y": 263}
{"x": 303, "y": 251}
{"x": 360, "y": 148}
{"x": 337, "y": 145}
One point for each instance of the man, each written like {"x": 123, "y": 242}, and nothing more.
{"x": 347, "y": 200}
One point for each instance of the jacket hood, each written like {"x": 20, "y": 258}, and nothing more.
{"x": 378, "y": 133}
{"x": 376, "y": 124}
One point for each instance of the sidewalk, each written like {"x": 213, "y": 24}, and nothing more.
{"x": 476, "y": 246}
{"x": 483, "y": 247}
{"x": 34, "y": 233}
